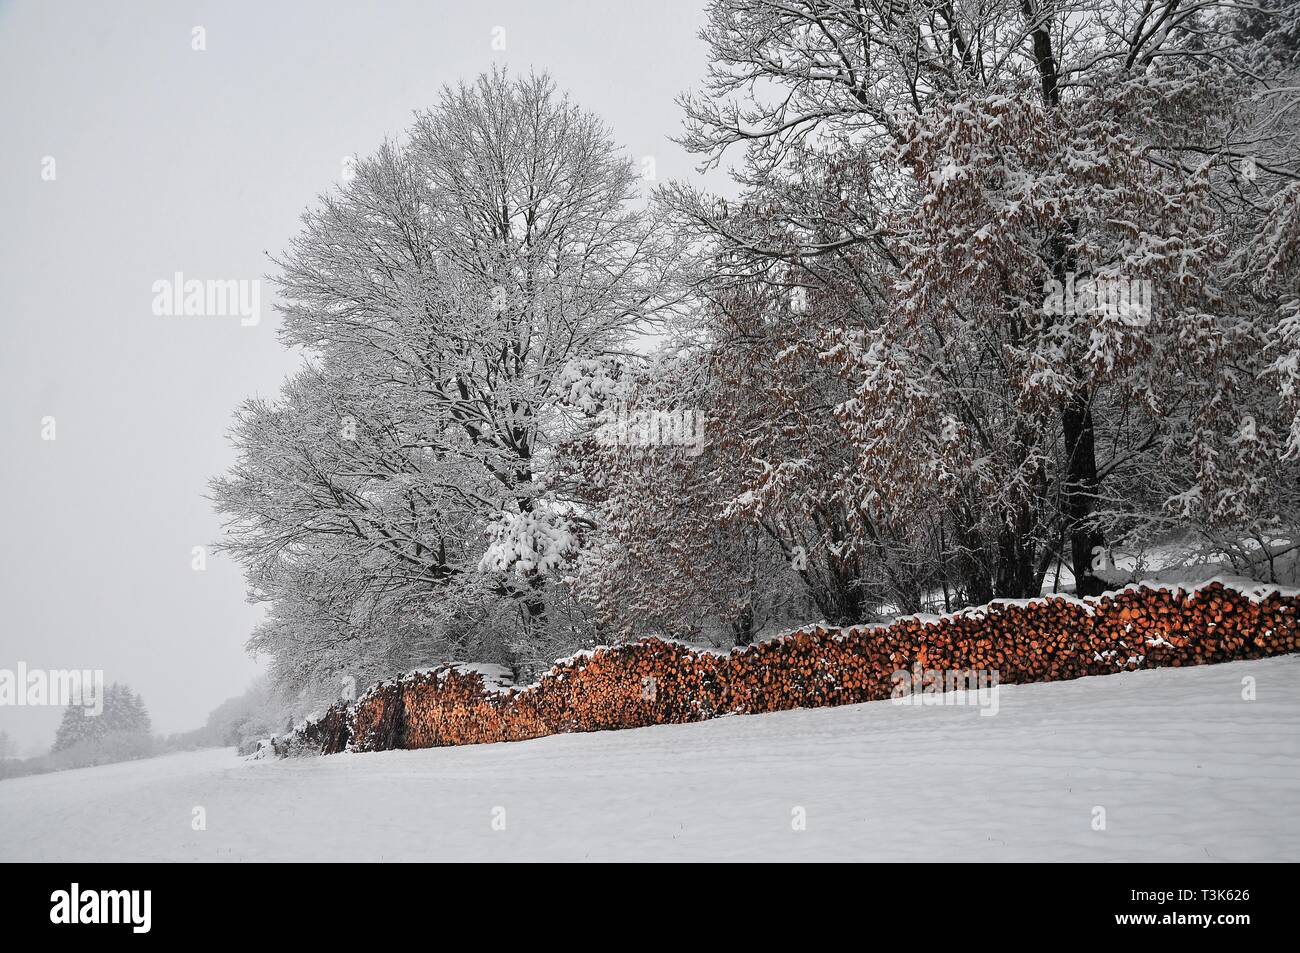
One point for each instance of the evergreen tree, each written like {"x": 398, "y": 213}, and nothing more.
{"x": 124, "y": 714}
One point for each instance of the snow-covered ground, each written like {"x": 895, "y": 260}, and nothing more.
{"x": 1184, "y": 768}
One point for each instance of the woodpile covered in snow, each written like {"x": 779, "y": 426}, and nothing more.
{"x": 654, "y": 682}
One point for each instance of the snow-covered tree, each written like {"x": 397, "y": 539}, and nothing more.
{"x": 655, "y": 474}
{"x": 122, "y": 730}
{"x": 941, "y": 179}
{"x": 393, "y": 503}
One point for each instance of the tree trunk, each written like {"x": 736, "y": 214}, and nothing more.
{"x": 1081, "y": 485}
{"x": 742, "y": 627}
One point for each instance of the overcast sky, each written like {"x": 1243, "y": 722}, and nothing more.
{"x": 167, "y": 159}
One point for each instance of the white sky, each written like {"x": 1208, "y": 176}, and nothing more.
{"x": 167, "y": 160}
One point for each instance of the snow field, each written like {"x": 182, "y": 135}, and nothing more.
{"x": 1184, "y": 767}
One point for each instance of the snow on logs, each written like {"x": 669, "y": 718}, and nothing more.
{"x": 653, "y": 682}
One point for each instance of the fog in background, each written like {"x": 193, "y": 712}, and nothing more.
{"x": 170, "y": 159}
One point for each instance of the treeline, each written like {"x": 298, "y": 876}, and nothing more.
{"x": 1005, "y": 286}
{"x": 116, "y": 729}
{"x": 122, "y": 731}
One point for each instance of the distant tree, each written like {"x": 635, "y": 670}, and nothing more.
{"x": 120, "y": 731}
{"x": 77, "y": 727}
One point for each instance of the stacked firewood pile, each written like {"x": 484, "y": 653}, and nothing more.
{"x": 654, "y": 682}
{"x": 330, "y": 733}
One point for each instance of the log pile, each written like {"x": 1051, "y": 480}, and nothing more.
{"x": 329, "y": 733}
{"x": 654, "y": 682}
